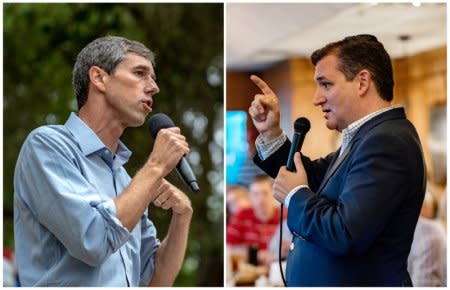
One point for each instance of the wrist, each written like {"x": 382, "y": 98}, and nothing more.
{"x": 187, "y": 213}
{"x": 271, "y": 134}
{"x": 182, "y": 219}
{"x": 152, "y": 176}
{"x": 154, "y": 169}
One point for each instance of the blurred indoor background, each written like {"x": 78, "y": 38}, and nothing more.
{"x": 275, "y": 42}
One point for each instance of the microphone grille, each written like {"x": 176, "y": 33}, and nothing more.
{"x": 157, "y": 122}
{"x": 302, "y": 125}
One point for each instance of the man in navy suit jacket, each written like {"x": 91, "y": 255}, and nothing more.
{"x": 353, "y": 213}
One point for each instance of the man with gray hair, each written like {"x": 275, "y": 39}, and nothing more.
{"x": 79, "y": 218}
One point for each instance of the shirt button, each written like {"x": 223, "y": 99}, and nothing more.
{"x": 292, "y": 246}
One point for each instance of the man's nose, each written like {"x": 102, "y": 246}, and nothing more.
{"x": 318, "y": 98}
{"x": 151, "y": 87}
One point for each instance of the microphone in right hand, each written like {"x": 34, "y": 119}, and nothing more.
{"x": 160, "y": 121}
{"x": 301, "y": 127}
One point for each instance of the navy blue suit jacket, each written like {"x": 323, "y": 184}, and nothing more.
{"x": 355, "y": 225}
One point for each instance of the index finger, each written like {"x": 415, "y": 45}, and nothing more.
{"x": 261, "y": 85}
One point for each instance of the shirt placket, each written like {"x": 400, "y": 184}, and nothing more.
{"x": 122, "y": 250}
{"x": 110, "y": 160}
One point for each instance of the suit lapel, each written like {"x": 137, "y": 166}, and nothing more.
{"x": 337, "y": 161}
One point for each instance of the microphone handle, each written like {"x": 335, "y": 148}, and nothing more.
{"x": 187, "y": 175}
{"x": 297, "y": 143}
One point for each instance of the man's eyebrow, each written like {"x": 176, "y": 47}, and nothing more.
{"x": 321, "y": 78}
{"x": 143, "y": 67}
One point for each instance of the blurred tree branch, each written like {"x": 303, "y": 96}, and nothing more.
{"x": 41, "y": 42}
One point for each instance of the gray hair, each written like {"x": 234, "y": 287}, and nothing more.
{"x": 105, "y": 52}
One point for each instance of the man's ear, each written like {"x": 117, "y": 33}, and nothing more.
{"x": 364, "y": 78}
{"x": 97, "y": 78}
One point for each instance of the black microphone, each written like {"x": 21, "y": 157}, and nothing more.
{"x": 161, "y": 121}
{"x": 301, "y": 127}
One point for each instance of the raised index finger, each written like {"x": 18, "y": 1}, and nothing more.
{"x": 265, "y": 89}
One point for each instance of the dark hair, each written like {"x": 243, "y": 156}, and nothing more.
{"x": 359, "y": 52}
{"x": 105, "y": 52}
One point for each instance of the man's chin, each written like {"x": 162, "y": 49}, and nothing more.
{"x": 331, "y": 125}
{"x": 137, "y": 122}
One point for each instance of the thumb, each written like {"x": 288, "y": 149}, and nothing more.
{"x": 297, "y": 161}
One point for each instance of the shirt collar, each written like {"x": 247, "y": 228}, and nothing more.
{"x": 350, "y": 131}
{"x": 89, "y": 142}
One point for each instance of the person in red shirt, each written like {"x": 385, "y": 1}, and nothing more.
{"x": 237, "y": 200}
{"x": 254, "y": 226}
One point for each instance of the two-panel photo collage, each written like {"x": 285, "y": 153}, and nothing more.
{"x": 225, "y": 144}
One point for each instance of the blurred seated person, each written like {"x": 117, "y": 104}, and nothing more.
{"x": 10, "y": 276}
{"x": 442, "y": 210}
{"x": 429, "y": 206}
{"x": 237, "y": 200}
{"x": 251, "y": 229}
{"x": 427, "y": 258}
{"x": 274, "y": 243}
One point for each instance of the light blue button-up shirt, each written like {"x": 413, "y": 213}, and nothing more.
{"x": 65, "y": 224}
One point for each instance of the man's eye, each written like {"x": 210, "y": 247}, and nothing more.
{"x": 326, "y": 85}
{"x": 140, "y": 73}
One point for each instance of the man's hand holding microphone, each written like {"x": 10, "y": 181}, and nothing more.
{"x": 169, "y": 147}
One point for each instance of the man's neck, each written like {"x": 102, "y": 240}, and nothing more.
{"x": 376, "y": 106}
{"x": 368, "y": 108}
{"x": 107, "y": 128}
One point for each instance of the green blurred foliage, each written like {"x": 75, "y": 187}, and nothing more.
{"x": 41, "y": 42}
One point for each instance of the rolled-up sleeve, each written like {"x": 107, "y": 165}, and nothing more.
{"x": 50, "y": 183}
{"x": 118, "y": 234}
{"x": 150, "y": 244}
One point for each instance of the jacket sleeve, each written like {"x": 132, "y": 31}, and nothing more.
{"x": 314, "y": 169}
{"x": 373, "y": 190}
